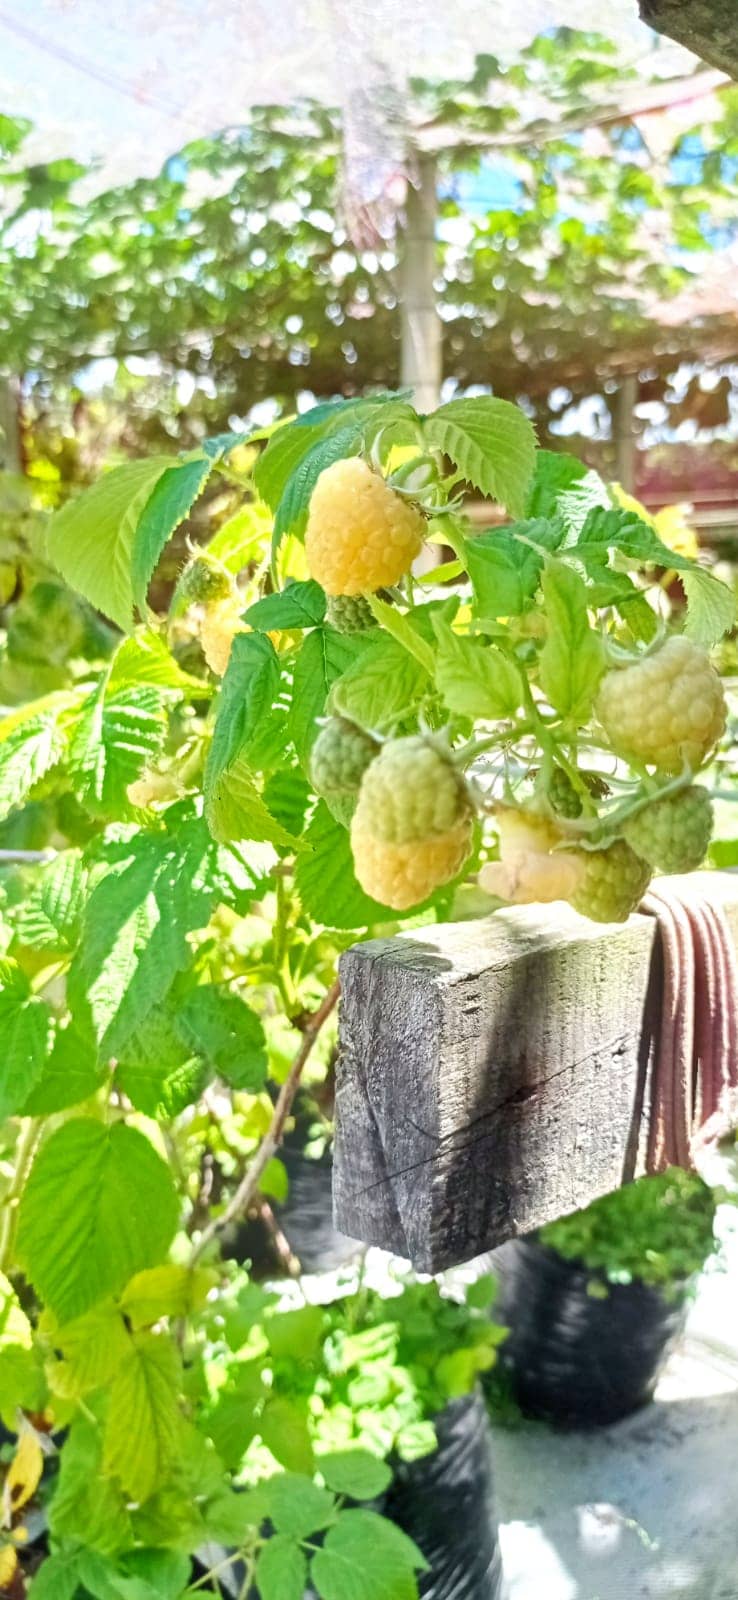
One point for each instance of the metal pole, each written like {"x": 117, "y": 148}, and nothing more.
{"x": 421, "y": 361}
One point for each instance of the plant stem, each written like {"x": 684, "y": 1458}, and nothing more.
{"x": 24, "y": 1154}
{"x": 247, "y": 1188}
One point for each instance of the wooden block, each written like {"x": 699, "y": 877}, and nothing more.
{"x": 491, "y": 1075}
{"x": 707, "y": 27}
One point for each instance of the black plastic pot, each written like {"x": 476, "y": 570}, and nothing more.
{"x": 580, "y": 1351}
{"x": 446, "y": 1503}
{"x": 305, "y": 1219}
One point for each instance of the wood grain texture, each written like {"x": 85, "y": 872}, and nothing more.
{"x": 491, "y": 1075}
{"x": 708, "y": 27}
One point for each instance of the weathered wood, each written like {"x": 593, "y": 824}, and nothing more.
{"x": 707, "y": 27}
{"x": 492, "y": 1075}
{"x": 421, "y": 359}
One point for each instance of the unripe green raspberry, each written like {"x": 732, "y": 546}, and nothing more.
{"x": 361, "y": 536}
{"x": 612, "y": 882}
{"x": 349, "y": 613}
{"x": 339, "y": 758}
{"x": 411, "y": 791}
{"x": 665, "y": 710}
{"x": 563, "y": 795}
{"x": 673, "y": 833}
{"x": 202, "y": 582}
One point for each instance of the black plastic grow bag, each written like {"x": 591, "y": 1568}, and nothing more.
{"x": 446, "y": 1503}
{"x": 580, "y": 1351}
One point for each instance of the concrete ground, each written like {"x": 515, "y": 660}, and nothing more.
{"x": 646, "y": 1509}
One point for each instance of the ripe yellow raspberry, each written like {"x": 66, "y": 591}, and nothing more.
{"x": 218, "y": 628}
{"x": 665, "y": 710}
{"x": 401, "y": 875}
{"x": 360, "y": 536}
{"x": 611, "y": 884}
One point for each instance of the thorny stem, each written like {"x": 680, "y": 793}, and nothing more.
{"x": 25, "y": 1152}
{"x": 247, "y": 1188}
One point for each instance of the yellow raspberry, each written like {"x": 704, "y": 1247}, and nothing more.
{"x": 666, "y": 709}
{"x": 360, "y": 536}
{"x": 402, "y": 875}
{"x": 218, "y": 628}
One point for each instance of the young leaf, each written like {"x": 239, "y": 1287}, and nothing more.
{"x": 357, "y": 1473}
{"x": 172, "y": 499}
{"x": 365, "y": 1556}
{"x": 572, "y": 659}
{"x": 300, "y": 605}
{"x": 400, "y": 625}
{"x": 28, "y": 751}
{"x": 235, "y": 810}
{"x": 143, "y": 1419}
{"x": 555, "y": 473}
{"x": 26, "y": 1032}
{"x": 143, "y": 658}
{"x": 281, "y": 1569}
{"x": 116, "y": 734}
{"x": 384, "y": 684}
{"x": 325, "y": 879}
{"x": 711, "y": 607}
{"x": 93, "y": 1347}
{"x": 474, "y": 679}
{"x": 220, "y": 1026}
{"x": 491, "y": 442}
{"x": 243, "y": 537}
{"x": 91, "y": 540}
{"x": 324, "y": 655}
{"x": 504, "y": 568}
{"x": 297, "y": 1506}
{"x": 113, "y": 1209}
{"x": 49, "y": 918}
{"x": 168, "y": 1291}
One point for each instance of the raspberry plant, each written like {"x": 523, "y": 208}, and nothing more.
{"x": 223, "y": 799}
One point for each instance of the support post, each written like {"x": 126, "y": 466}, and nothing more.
{"x": 421, "y": 355}
{"x": 707, "y": 27}
{"x": 11, "y": 449}
{"x": 624, "y": 432}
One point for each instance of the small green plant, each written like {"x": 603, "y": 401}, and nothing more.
{"x": 658, "y": 1231}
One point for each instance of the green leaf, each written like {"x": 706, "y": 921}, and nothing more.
{"x": 167, "y": 1291}
{"x": 711, "y": 604}
{"x": 234, "y": 807}
{"x": 28, "y": 751}
{"x": 143, "y": 658}
{"x": 116, "y": 734}
{"x": 504, "y": 568}
{"x": 572, "y": 660}
{"x": 143, "y": 1419}
{"x": 357, "y": 1473}
{"x": 93, "y": 1347}
{"x": 281, "y": 1569}
{"x": 297, "y": 1506}
{"x": 242, "y": 538}
{"x": 50, "y": 916}
{"x": 325, "y": 879}
{"x": 26, "y": 1032}
{"x": 172, "y": 499}
{"x": 85, "y": 1505}
{"x": 152, "y": 1575}
{"x": 157, "y": 1069}
{"x": 157, "y": 889}
{"x": 92, "y": 539}
{"x": 232, "y": 1422}
{"x": 284, "y": 1430}
{"x": 71, "y": 1073}
{"x": 555, "y": 473}
{"x": 58, "y": 1576}
{"x": 400, "y": 625}
{"x": 296, "y": 1335}
{"x": 300, "y": 605}
{"x": 323, "y": 656}
{"x": 219, "y": 1025}
{"x": 711, "y": 607}
{"x": 384, "y": 685}
{"x": 292, "y": 512}
{"x": 474, "y": 679}
{"x": 491, "y": 442}
{"x": 365, "y": 1557}
{"x": 236, "y": 812}
{"x": 114, "y": 1210}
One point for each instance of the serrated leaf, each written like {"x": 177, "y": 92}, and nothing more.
{"x": 711, "y": 607}
{"x": 555, "y": 473}
{"x": 152, "y": 1575}
{"x": 71, "y": 1073}
{"x": 172, "y": 499}
{"x": 248, "y": 692}
{"x": 292, "y": 512}
{"x": 505, "y": 565}
{"x": 281, "y": 1569}
{"x": 157, "y": 1069}
{"x": 143, "y": 1419}
{"x": 49, "y": 918}
{"x": 285, "y": 1431}
{"x": 91, "y": 540}
{"x": 301, "y": 605}
{"x": 167, "y": 1291}
{"x": 292, "y": 440}
{"x": 572, "y": 660}
{"x": 297, "y": 1506}
{"x": 711, "y": 604}
{"x": 232, "y": 1422}
{"x": 491, "y": 442}
{"x": 325, "y": 879}
{"x": 357, "y": 1473}
{"x": 26, "y": 1033}
{"x": 143, "y": 658}
{"x": 573, "y": 505}
{"x": 323, "y": 656}
{"x": 220, "y": 1026}
{"x": 382, "y": 686}
{"x": 114, "y": 1208}
{"x": 244, "y": 537}
{"x": 401, "y": 626}
{"x": 87, "y": 1507}
{"x": 28, "y": 751}
{"x": 117, "y": 732}
{"x": 158, "y": 889}
{"x": 235, "y": 810}
{"x": 365, "y": 1557}
{"x": 93, "y": 1347}
{"x": 474, "y": 679}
